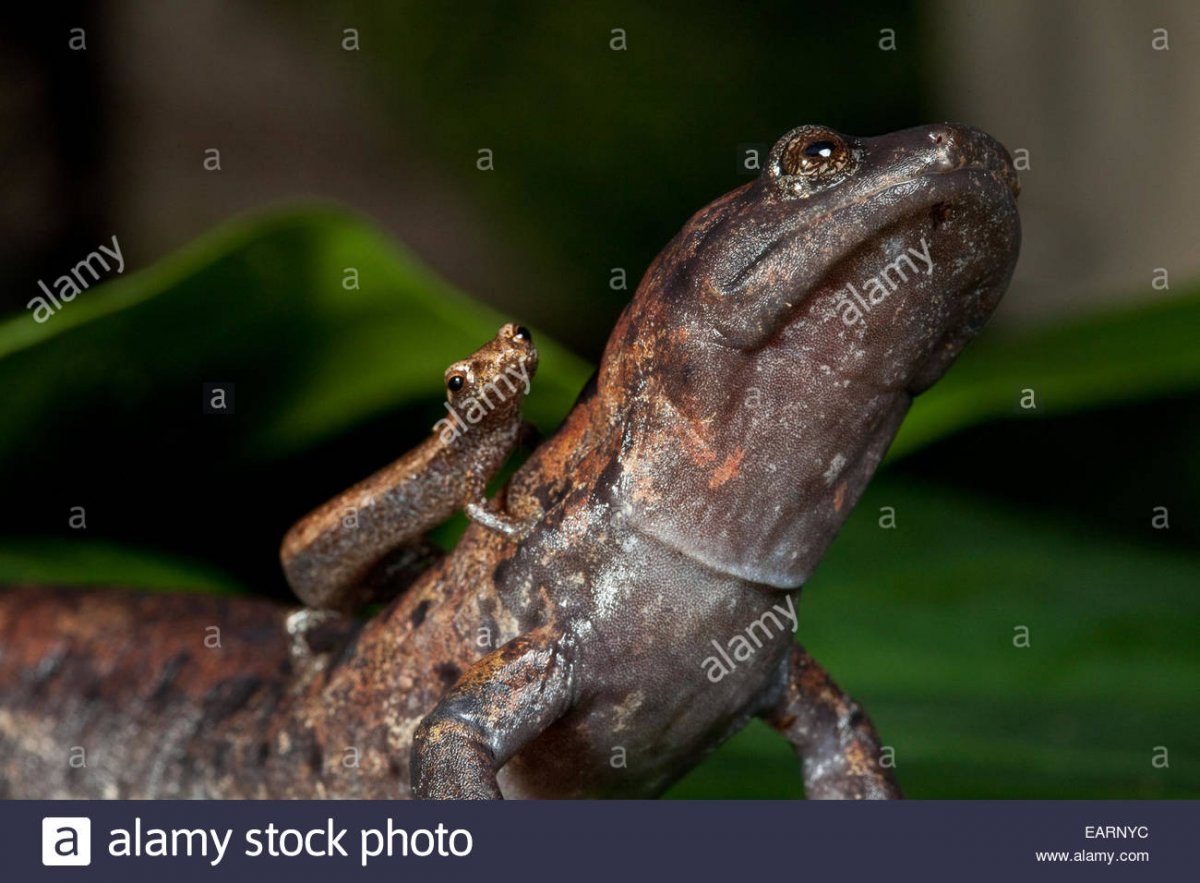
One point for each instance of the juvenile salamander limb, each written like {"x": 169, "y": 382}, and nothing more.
{"x": 365, "y": 545}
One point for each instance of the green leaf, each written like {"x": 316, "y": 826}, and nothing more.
{"x": 1102, "y": 360}
{"x": 40, "y": 561}
{"x": 102, "y": 402}
{"x": 260, "y": 300}
{"x": 918, "y": 624}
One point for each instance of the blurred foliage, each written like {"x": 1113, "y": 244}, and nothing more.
{"x": 320, "y": 318}
{"x": 1104, "y": 359}
{"x": 67, "y": 561}
{"x": 102, "y": 408}
{"x": 918, "y": 623}
{"x": 106, "y": 396}
{"x": 600, "y": 152}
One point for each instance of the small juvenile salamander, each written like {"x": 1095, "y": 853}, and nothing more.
{"x": 353, "y": 548}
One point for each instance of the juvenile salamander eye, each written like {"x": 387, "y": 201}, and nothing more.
{"x": 816, "y": 155}
{"x": 523, "y": 333}
{"x": 455, "y": 382}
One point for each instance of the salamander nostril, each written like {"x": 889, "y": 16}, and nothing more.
{"x": 944, "y": 138}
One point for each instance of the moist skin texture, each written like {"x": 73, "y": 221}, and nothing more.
{"x": 646, "y": 615}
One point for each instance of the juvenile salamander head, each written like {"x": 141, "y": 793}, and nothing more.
{"x": 774, "y": 346}
{"x": 495, "y": 378}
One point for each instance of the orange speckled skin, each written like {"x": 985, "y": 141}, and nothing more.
{"x": 734, "y": 421}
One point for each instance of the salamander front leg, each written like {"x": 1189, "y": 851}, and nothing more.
{"x": 500, "y": 705}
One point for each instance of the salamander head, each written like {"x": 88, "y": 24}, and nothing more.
{"x": 773, "y": 347}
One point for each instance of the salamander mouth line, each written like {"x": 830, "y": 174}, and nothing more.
{"x": 972, "y": 171}
{"x": 943, "y": 196}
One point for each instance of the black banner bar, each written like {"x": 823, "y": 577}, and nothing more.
{"x": 598, "y": 841}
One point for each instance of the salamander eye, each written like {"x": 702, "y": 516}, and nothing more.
{"x": 812, "y": 154}
{"x": 455, "y": 382}
{"x": 815, "y": 158}
{"x": 523, "y": 333}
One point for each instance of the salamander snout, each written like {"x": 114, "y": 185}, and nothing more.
{"x": 954, "y": 147}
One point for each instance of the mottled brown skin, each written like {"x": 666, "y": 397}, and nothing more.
{"x": 733, "y": 423}
{"x": 367, "y": 540}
